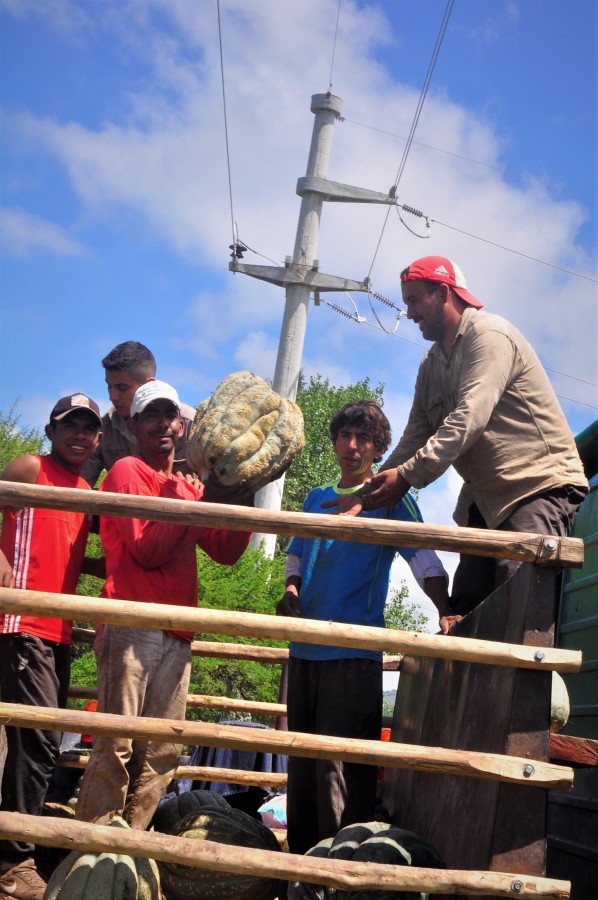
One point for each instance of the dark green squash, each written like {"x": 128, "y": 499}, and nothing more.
{"x": 169, "y": 813}
{"x": 375, "y": 842}
{"x": 105, "y": 876}
{"x": 224, "y": 826}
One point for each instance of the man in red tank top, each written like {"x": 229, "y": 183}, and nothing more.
{"x": 42, "y": 550}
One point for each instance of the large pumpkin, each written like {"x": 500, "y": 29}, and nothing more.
{"x": 375, "y": 842}
{"x": 245, "y": 432}
{"x": 169, "y": 812}
{"x": 105, "y": 876}
{"x": 224, "y": 826}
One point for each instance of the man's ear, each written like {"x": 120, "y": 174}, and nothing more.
{"x": 181, "y": 427}
{"x": 49, "y": 432}
{"x": 445, "y": 292}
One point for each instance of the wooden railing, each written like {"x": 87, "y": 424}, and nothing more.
{"x": 515, "y": 771}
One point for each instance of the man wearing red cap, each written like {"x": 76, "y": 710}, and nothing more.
{"x": 483, "y": 404}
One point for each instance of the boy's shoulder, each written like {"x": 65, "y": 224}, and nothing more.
{"x": 24, "y": 468}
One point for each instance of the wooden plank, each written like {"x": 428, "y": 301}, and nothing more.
{"x": 574, "y": 750}
{"x": 527, "y": 547}
{"x": 348, "y": 876}
{"x": 158, "y": 615}
{"x": 71, "y": 760}
{"x": 251, "y": 652}
{"x": 464, "y": 705}
{"x": 205, "y": 701}
{"x": 376, "y": 753}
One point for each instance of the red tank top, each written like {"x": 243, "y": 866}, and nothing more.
{"x": 45, "y": 548}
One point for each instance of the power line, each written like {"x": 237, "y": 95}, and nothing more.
{"x": 429, "y": 221}
{"x": 516, "y": 252}
{"x": 230, "y": 184}
{"x": 399, "y": 137}
{"x": 418, "y": 111}
{"x": 338, "y": 14}
{"x": 361, "y": 320}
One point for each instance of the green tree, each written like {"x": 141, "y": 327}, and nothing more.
{"x": 17, "y": 440}
{"x": 254, "y": 584}
{"x": 402, "y": 615}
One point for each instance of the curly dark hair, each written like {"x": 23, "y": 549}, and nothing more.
{"x": 367, "y": 415}
{"x": 133, "y": 357}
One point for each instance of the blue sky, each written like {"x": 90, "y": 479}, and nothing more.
{"x": 115, "y": 215}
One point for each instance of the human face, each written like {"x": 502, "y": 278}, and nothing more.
{"x": 355, "y": 453}
{"x": 121, "y": 387}
{"x": 157, "y": 430}
{"x": 425, "y": 305}
{"x": 74, "y": 439}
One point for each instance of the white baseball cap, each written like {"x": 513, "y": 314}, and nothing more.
{"x": 150, "y": 391}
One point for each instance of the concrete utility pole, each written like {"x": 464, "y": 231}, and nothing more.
{"x": 300, "y": 275}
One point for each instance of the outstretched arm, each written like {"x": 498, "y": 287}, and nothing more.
{"x": 384, "y": 489}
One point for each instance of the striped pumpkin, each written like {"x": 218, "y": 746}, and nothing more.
{"x": 245, "y": 432}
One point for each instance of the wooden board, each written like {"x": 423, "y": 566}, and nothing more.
{"x": 477, "y": 824}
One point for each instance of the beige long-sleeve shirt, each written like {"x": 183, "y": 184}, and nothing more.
{"x": 489, "y": 410}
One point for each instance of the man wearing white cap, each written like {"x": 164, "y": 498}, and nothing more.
{"x": 483, "y": 404}
{"x": 145, "y": 671}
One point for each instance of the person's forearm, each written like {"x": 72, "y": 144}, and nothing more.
{"x": 437, "y": 590}
{"x": 222, "y": 545}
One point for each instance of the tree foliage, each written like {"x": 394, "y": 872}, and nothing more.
{"x": 402, "y": 615}
{"x": 254, "y": 584}
{"x": 18, "y": 440}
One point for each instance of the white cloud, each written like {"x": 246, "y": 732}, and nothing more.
{"x": 162, "y": 157}
{"x": 22, "y": 233}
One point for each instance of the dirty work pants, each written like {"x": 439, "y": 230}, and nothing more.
{"x": 552, "y": 512}
{"x": 35, "y": 672}
{"x": 141, "y": 672}
{"x": 343, "y": 698}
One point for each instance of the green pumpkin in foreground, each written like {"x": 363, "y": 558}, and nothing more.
{"x": 222, "y": 826}
{"x": 105, "y": 876}
{"x": 375, "y": 842}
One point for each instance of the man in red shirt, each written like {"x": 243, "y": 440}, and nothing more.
{"x": 43, "y": 550}
{"x": 145, "y": 671}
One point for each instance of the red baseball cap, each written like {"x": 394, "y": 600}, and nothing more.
{"x": 444, "y": 271}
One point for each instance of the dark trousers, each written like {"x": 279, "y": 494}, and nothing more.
{"x": 342, "y": 698}
{"x": 551, "y": 512}
{"x": 37, "y": 673}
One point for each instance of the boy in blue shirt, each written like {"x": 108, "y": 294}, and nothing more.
{"x": 338, "y": 690}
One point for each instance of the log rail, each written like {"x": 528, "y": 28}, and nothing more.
{"x": 216, "y": 857}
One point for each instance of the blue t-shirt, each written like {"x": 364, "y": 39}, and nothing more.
{"x": 343, "y": 581}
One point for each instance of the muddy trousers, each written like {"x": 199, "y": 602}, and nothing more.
{"x": 35, "y": 672}
{"x": 342, "y": 698}
{"x": 552, "y": 512}
{"x": 141, "y": 672}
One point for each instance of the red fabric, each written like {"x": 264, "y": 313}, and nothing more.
{"x": 45, "y": 548}
{"x": 155, "y": 562}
